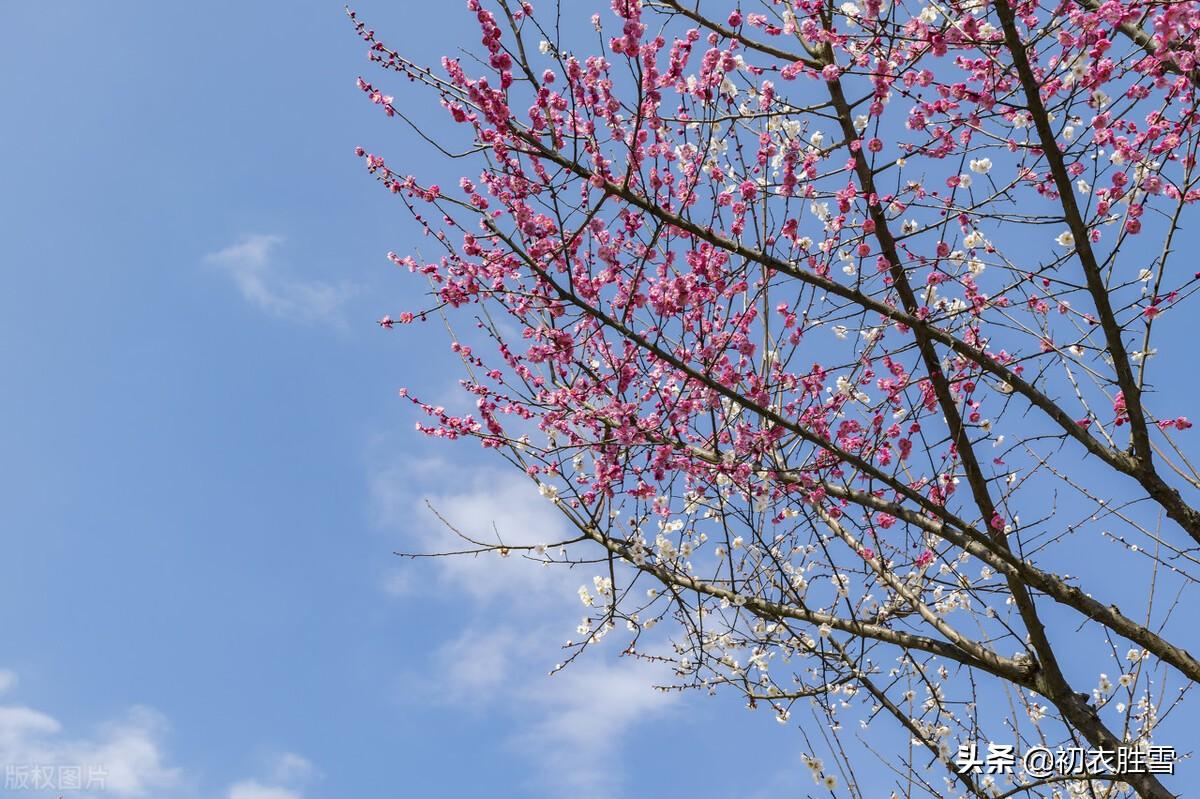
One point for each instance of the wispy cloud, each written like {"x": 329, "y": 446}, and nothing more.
{"x": 485, "y": 504}
{"x": 287, "y": 774}
{"x": 291, "y": 767}
{"x": 123, "y": 758}
{"x": 582, "y": 718}
{"x": 265, "y": 283}
{"x": 480, "y": 661}
{"x": 252, "y": 789}
{"x": 565, "y": 726}
{"x": 568, "y": 726}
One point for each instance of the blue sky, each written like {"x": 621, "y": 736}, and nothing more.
{"x": 206, "y": 466}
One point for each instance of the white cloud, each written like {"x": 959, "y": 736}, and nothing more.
{"x": 124, "y": 758}
{"x": 251, "y": 789}
{"x": 20, "y": 724}
{"x": 566, "y": 726}
{"x": 287, "y": 773}
{"x": 8, "y": 679}
{"x": 584, "y": 714}
{"x": 272, "y": 288}
{"x": 477, "y": 662}
{"x": 487, "y": 505}
{"x": 290, "y": 767}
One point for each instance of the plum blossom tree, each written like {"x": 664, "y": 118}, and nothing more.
{"x": 829, "y": 328}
